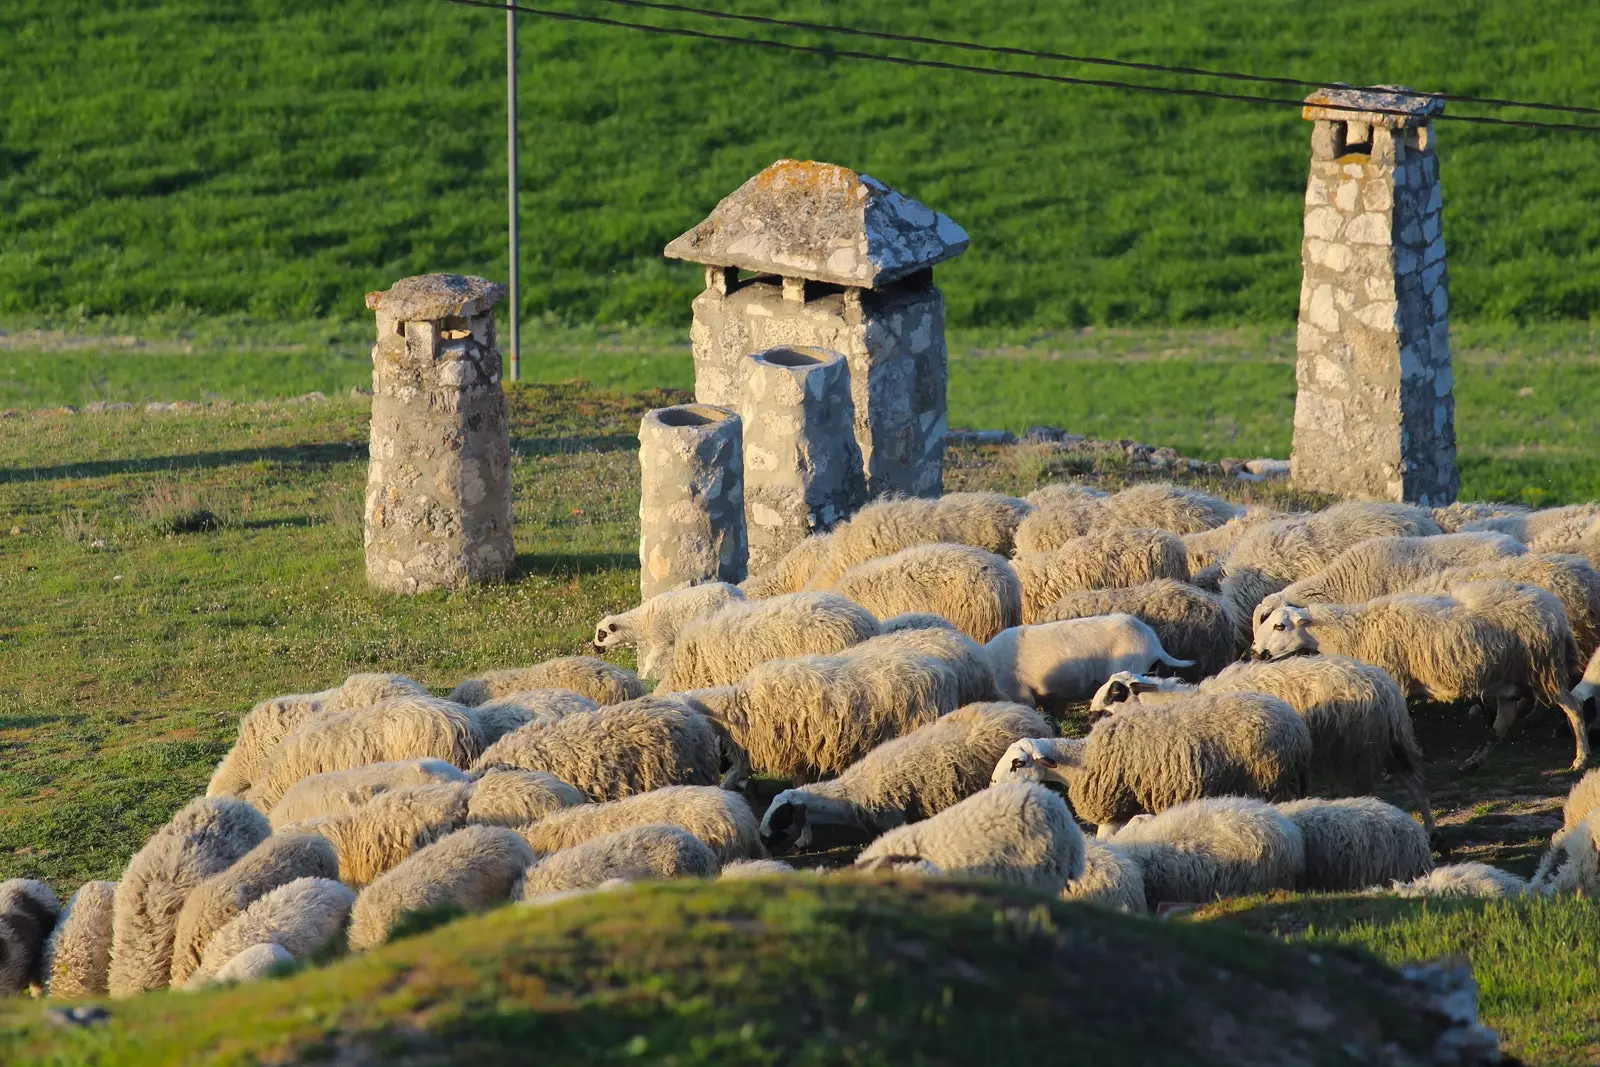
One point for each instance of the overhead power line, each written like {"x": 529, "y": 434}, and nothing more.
{"x": 998, "y": 72}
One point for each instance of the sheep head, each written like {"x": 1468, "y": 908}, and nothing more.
{"x": 1285, "y": 632}
{"x": 1121, "y": 688}
{"x": 784, "y": 826}
{"x": 611, "y": 632}
{"x": 1265, "y": 609}
{"x": 1046, "y": 760}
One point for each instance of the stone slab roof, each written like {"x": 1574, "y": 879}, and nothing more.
{"x": 1419, "y": 110}
{"x": 823, "y": 222}
{"x": 427, "y": 297}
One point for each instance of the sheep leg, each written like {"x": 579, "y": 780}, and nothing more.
{"x": 1580, "y": 731}
{"x": 1506, "y": 707}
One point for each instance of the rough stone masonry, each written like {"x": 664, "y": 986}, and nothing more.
{"x": 691, "y": 498}
{"x": 842, "y": 262}
{"x": 1375, "y": 411}
{"x": 438, "y": 510}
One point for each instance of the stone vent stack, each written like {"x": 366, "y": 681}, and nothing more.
{"x": 691, "y": 499}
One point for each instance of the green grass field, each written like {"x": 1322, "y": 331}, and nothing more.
{"x": 280, "y": 157}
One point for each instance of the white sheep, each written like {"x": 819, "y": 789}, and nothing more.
{"x": 1483, "y": 637}
{"x": 253, "y": 964}
{"x": 971, "y": 587}
{"x": 28, "y": 914}
{"x": 638, "y": 853}
{"x": 1208, "y": 548}
{"x": 1583, "y": 799}
{"x": 1111, "y": 879}
{"x": 934, "y": 636}
{"x": 301, "y": 917}
{"x": 1052, "y": 664}
{"x": 511, "y": 796}
{"x": 77, "y": 957}
{"x": 338, "y": 792}
{"x": 1062, "y": 512}
{"x": 1571, "y": 864}
{"x": 380, "y": 834}
{"x": 1192, "y": 623}
{"x": 1357, "y": 842}
{"x": 1462, "y": 880}
{"x": 1453, "y": 518}
{"x": 498, "y": 717}
{"x": 599, "y": 681}
{"x": 1216, "y": 847}
{"x": 721, "y": 648}
{"x": 1541, "y": 528}
{"x": 471, "y": 869}
{"x": 1571, "y": 579}
{"x": 742, "y": 869}
{"x": 652, "y": 627}
{"x": 720, "y": 818}
{"x": 1152, "y": 757}
{"x": 618, "y": 750}
{"x": 1110, "y": 559}
{"x": 934, "y": 767}
{"x": 1016, "y": 832}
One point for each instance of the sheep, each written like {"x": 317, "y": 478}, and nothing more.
{"x": 792, "y": 571}
{"x": 1052, "y": 664}
{"x": 1208, "y": 548}
{"x": 619, "y": 750}
{"x": 651, "y": 851}
{"x": 652, "y": 627}
{"x": 933, "y": 636}
{"x": 1379, "y": 566}
{"x": 1454, "y": 518}
{"x": 1572, "y": 579}
{"x": 339, "y": 792}
{"x": 1216, "y": 847}
{"x": 253, "y": 964}
{"x": 1462, "y": 880}
{"x": 1110, "y": 879}
{"x": 972, "y": 588}
{"x": 514, "y": 797}
{"x": 28, "y": 914}
{"x": 1110, "y": 559}
{"x": 1015, "y": 832}
{"x": 1060, "y": 513}
{"x": 1153, "y": 757}
{"x": 381, "y": 834}
{"x": 720, "y": 818}
{"x": 394, "y": 729}
{"x": 214, "y": 903}
{"x": 270, "y": 721}
{"x": 301, "y": 917}
{"x": 207, "y": 835}
{"x": 471, "y": 869}
{"x": 815, "y": 715}
{"x": 1193, "y": 624}
{"x": 498, "y": 717}
{"x": 742, "y": 869}
{"x": 601, "y": 682}
{"x": 1546, "y": 526}
{"x": 1584, "y": 798}
{"x": 934, "y": 767}
{"x": 1482, "y": 637}
{"x": 722, "y": 648}
{"x": 982, "y": 520}
{"x": 77, "y": 957}
{"x": 1357, "y": 842}
{"x": 1571, "y": 864}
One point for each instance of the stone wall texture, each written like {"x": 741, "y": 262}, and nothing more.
{"x": 802, "y": 467}
{"x": 893, "y": 339}
{"x": 1375, "y": 411}
{"x": 438, "y": 505}
{"x": 691, "y": 500}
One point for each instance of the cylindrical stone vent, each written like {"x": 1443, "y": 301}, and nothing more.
{"x": 438, "y": 510}
{"x": 691, "y": 499}
{"x": 802, "y": 466}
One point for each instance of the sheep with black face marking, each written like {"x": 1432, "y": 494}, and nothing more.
{"x": 1358, "y": 842}
{"x": 1052, "y": 664}
{"x": 217, "y": 901}
{"x": 472, "y": 869}
{"x": 1064, "y": 514}
{"x": 1217, "y": 847}
{"x": 1356, "y": 713}
{"x": 207, "y": 836}
{"x": 498, "y": 717}
{"x": 1016, "y": 832}
{"x": 77, "y": 957}
{"x": 1483, "y": 637}
{"x": 719, "y": 817}
{"x": 1153, "y": 757}
{"x": 722, "y": 648}
{"x": 1111, "y": 879}
{"x": 270, "y": 721}
{"x": 1193, "y": 624}
{"x": 339, "y": 792}
{"x": 28, "y": 914}
{"x": 1109, "y": 559}
{"x": 1462, "y": 880}
{"x": 395, "y": 729}
{"x": 301, "y": 917}
{"x": 934, "y": 767}
{"x": 599, "y": 681}
{"x": 972, "y": 588}
{"x": 1571, "y": 579}
{"x": 639, "y": 853}
{"x": 933, "y": 636}
{"x": 618, "y": 750}
{"x": 1572, "y": 862}
{"x": 652, "y": 627}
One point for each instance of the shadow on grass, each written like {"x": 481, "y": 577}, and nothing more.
{"x": 566, "y": 446}
{"x": 308, "y": 455}
{"x": 570, "y": 564}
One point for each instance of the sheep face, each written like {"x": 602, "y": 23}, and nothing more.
{"x": 1265, "y": 609}
{"x": 1285, "y": 632}
{"x": 610, "y": 632}
{"x": 1030, "y": 761}
{"x": 1120, "y": 688}
{"x": 784, "y": 826}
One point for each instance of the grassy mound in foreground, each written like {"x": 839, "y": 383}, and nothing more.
{"x": 789, "y": 970}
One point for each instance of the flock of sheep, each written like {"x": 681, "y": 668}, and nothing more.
{"x": 904, "y": 674}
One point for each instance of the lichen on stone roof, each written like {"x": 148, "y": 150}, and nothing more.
{"x": 1374, "y": 106}
{"x": 823, "y": 222}
{"x": 427, "y": 297}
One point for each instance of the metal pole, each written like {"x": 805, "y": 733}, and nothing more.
{"x": 511, "y": 186}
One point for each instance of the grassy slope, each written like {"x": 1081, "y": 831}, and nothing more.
{"x": 281, "y": 156}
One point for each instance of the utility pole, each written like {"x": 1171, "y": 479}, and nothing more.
{"x": 511, "y": 187}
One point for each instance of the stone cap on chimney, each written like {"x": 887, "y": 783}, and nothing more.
{"x": 821, "y": 222}
{"x": 1373, "y": 106}
{"x": 430, "y": 297}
